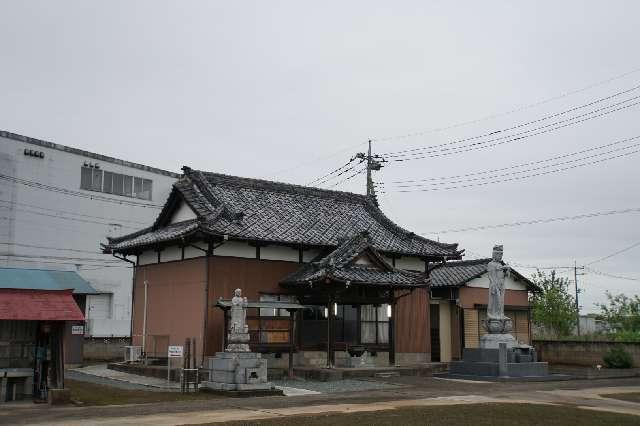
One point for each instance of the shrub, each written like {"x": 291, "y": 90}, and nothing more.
{"x": 617, "y": 358}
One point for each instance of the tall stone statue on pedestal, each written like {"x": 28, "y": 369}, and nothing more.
{"x": 497, "y": 324}
{"x": 237, "y": 368}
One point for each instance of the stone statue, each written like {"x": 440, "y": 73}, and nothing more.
{"x": 496, "y": 272}
{"x": 497, "y": 324}
{"x": 238, "y": 322}
{"x": 238, "y": 337}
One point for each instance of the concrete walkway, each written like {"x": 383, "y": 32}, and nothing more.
{"x": 140, "y": 382}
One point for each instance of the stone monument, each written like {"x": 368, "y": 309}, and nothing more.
{"x": 497, "y": 324}
{"x": 499, "y": 354}
{"x": 237, "y": 368}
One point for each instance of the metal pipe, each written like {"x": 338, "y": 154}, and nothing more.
{"x": 144, "y": 318}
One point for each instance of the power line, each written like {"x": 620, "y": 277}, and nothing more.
{"x": 74, "y": 219}
{"x": 572, "y": 121}
{"x": 537, "y": 221}
{"x": 50, "y": 248}
{"x": 509, "y": 112}
{"x": 332, "y": 172}
{"x": 41, "y": 186}
{"x": 72, "y": 213}
{"x": 95, "y": 266}
{"x": 347, "y": 170}
{"x": 606, "y": 274}
{"x": 515, "y": 166}
{"x": 590, "y": 163}
{"x": 518, "y": 126}
{"x": 615, "y": 253}
{"x": 359, "y": 172}
{"x": 82, "y": 259}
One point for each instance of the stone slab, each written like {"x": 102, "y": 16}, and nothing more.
{"x": 237, "y": 386}
{"x": 491, "y": 369}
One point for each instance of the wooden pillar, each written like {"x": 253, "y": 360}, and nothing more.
{"x": 291, "y": 344}
{"x": 226, "y": 330}
{"x": 330, "y": 333}
{"x": 392, "y": 337}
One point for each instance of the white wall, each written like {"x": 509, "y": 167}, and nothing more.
{"x": 410, "y": 263}
{"x": 509, "y": 283}
{"x": 72, "y": 225}
{"x": 182, "y": 213}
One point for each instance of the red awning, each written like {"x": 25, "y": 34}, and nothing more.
{"x": 39, "y": 305}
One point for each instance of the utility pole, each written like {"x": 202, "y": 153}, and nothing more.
{"x": 575, "y": 280}
{"x": 374, "y": 163}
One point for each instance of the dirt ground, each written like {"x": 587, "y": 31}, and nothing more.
{"x": 415, "y": 396}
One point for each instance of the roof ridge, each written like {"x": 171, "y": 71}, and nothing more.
{"x": 277, "y": 186}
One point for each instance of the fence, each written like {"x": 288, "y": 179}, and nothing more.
{"x": 582, "y": 353}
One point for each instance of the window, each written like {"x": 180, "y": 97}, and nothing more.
{"x": 274, "y": 312}
{"x": 108, "y": 183}
{"x": 374, "y": 324}
{"x": 94, "y": 179}
{"x": 85, "y": 178}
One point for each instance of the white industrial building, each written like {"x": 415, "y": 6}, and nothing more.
{"x": 57, "y": 204}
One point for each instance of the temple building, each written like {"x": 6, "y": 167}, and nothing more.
{"x": 361, "y": 279}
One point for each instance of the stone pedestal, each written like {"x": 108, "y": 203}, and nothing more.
{"x": 237, "y": 371}
{"x": 492, "y": 341}
{"x": 363, "y": 361}
{"x": 516, "y": 361}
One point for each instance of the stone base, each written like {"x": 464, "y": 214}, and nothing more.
{"x": 236, "y": 386}
{"x": 483, "y": 362}
{"x": 237, "y": 371}
{"x": 492, "y": 341}
{"x": 364, "y": 361}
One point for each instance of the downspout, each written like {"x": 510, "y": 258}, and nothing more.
{"x": 133, "y": 292}
{"x": 144, "y": 318}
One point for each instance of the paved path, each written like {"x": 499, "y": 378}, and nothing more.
{"x": 100, "y": 374}
{"x": 414, "y": 392}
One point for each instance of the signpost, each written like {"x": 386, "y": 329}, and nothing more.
{"x": 173, "y": 352}
{"x": 77, "y": 329}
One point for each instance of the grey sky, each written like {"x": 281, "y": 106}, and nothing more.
{"x": 256, "y": 88}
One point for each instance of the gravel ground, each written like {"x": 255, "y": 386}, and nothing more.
{"x": 337, "y": 386}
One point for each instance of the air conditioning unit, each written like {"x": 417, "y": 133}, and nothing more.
{"x": 132, "y": 353}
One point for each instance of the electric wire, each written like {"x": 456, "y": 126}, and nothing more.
{"x": 492, "y": 174}
{"x": 609, "y": 256}
{"x": 509, "y": 112}
{"x": 518, "y": 178}
{"x": 50, "y": 248}
{"x": 50, "y": 188}
{"x": 537, "y": 221}
{"x": 517, "y": 136}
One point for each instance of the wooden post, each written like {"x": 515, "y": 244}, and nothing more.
{"x": 291, "y": 313}
{"x": 392, "y": 337}
{"x": 329, "y": 334}
{"x": 226, "y": 327}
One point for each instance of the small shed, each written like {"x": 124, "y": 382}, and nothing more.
{"x": 41, "y": 326}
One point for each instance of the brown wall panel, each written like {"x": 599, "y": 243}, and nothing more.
{"x": 253, "y": 276}
{"x": 471, "y": 296}
{"x": 412, "y": 323}
{"x": 175, "y": 304}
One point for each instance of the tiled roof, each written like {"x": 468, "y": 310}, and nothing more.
{"x": 456, "y": 274}
{"x": 272, "y": 212}
{"x": 340, "y": 265}
{"x": 38, "y": 305}
{"x": 44, "y": 279}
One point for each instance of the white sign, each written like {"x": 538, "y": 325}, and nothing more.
{"x": 77, "y": 329}
{"x": 174, "y": 351}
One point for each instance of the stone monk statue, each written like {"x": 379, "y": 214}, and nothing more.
{"x": 238, "y": 323}
{"x": 496, "y": 272}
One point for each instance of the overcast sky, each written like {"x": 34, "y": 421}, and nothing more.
{"x": 291, "y": 90}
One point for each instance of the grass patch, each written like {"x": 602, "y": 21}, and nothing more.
{"x": 93, "y": 394}
{"x": 631, "y": 397}
{"x": 472, "y": 414}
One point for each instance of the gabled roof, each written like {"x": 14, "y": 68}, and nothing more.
{"x": 43, "y": 279}
{"x": 456, "y": 274}
{"x": 342, "y": 265}
{"x": 280, "y": 213}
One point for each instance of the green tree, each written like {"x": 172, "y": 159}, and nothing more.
{"x": 622, "y": 315}
{"x": 553, "y": 307}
